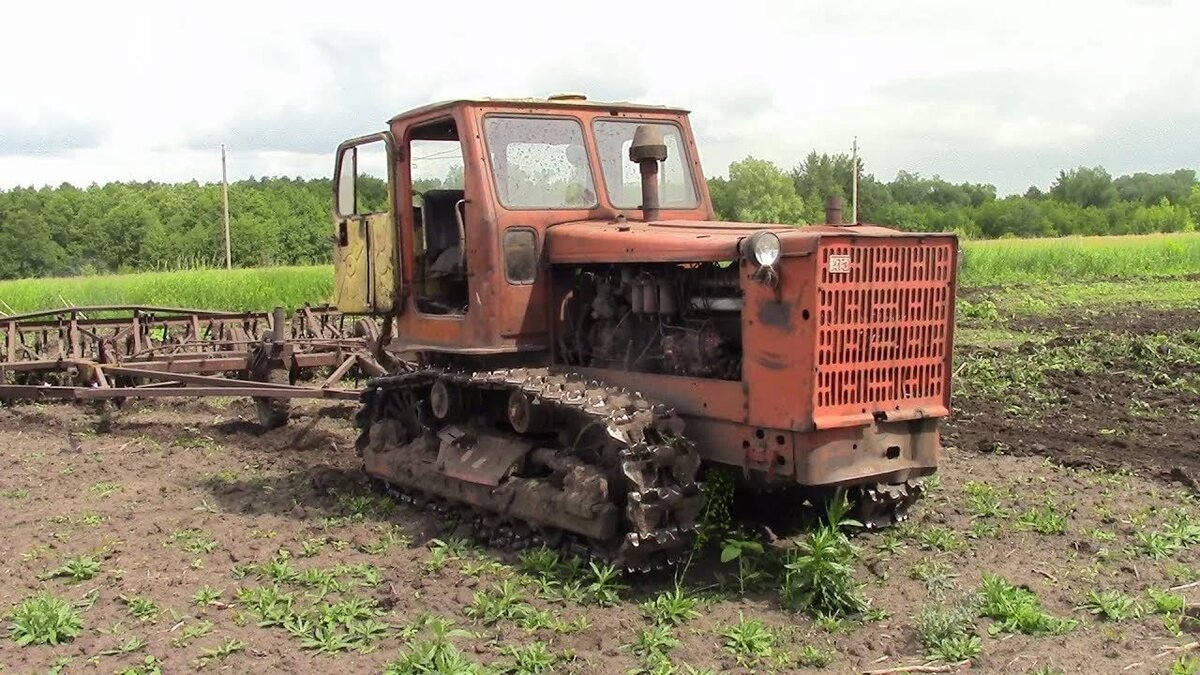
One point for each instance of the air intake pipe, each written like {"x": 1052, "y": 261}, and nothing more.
{"x": 647, "y": 150}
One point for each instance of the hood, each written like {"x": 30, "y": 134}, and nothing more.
{"x": 683, "y": 240}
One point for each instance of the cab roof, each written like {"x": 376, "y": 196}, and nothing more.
{"x": 559, "y": 100}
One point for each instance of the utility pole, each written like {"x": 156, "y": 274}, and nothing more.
{"x": 225, "y": 203}
{"x": 854, "y": 184}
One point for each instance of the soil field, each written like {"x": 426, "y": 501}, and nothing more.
{"x": 1059, "y": 536}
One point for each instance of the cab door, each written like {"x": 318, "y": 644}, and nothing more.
{"x": 366, "y": 254}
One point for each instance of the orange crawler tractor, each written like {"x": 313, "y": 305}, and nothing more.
{"x": 584, "y": 339}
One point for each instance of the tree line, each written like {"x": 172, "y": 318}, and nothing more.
{"x": 123, "y": 227}
{"x": 1080, "y": 201}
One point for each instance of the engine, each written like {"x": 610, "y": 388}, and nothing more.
{"x": 663, "y": 318}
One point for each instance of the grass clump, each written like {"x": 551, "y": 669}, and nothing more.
{"x": 949, "y": 634}
{"x": 435, "y": 654}
{"x": 227, "y": 648}
{"x": 1165, "y": 602}
{"x": 1178, "y": 533}
{"x": 44, "y": 620}
{"x": 142, "y": 608}
{"x": 1017, "y": 610}
{"x": 504, "y": 602}
{"x": 672, "y": 608}
{"x": 77, "y": 569}
{"x": 531, "y": 659}
{"x": 749, "y": 640}
{"x": 1112, "y": 605}
{"x": 653, "y": 644}
{"x": 1045, "y": 519}
{"x": 937, "y": 575}
{"x": 938, "y": 538}
{"x": 985, "y": 500}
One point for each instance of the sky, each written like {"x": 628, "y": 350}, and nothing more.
{"x": 1006, "y": 93}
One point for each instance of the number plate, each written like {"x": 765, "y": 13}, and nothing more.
{"x": 839, "y": 264}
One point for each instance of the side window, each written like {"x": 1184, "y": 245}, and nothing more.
{"x": 363, "y": 179}
{"x": 436, "y": 164}
{"x": 520, "y": 255}
{"x": 437, "y": 202}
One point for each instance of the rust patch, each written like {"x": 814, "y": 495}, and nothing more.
{"x": 776, "y": 314}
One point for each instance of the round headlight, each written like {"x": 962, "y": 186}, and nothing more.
{"x": 765, "y": 247}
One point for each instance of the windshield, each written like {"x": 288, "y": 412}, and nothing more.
{"x": 621, "y": 177}
{"x": 540, "y": 163}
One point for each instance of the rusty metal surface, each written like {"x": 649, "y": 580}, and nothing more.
{"x": 617, "y": 443}
{"x": 484, "y": 459}
{"x": 884, "y": 311}
{"x": 118, "y": 352}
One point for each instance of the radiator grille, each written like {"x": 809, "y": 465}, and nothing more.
{"x": 884, "y": 311}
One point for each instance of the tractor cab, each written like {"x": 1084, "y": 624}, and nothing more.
{"x": 440, "y": 221}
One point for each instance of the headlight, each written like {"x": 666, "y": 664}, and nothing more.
{"x": 764, "y": 247}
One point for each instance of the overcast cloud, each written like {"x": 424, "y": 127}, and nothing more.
{"x": 1001, "y": 92}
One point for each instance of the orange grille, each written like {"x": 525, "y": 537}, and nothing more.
{"x": 884, "y": 317}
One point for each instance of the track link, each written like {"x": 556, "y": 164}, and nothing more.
{"x": 635, "y": 444}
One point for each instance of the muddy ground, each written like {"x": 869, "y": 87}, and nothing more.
{"x": 1090, "y": 423}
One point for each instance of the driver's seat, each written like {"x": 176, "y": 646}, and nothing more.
{"x": 441, "y": 230}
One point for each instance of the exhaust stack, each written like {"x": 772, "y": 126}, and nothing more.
{"x": 647, "y": 150}
{"x": 833, "y": 210}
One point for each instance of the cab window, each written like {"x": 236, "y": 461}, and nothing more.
{"x": 362, "y": 179}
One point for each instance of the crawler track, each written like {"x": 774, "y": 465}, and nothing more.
{"x": 608, "y": 474}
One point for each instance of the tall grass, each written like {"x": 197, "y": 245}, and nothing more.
{"x": 238, "y": 289}
{"x": 999, "y": 262}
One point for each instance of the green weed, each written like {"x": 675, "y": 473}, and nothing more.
{"x": 141, "y": 608}
{"x": 192, "y": 632}
{"x": 129, "y": 646}
{"x": 1017, "y": 610}
{"x": 938, "y": 538}
{"x": 531, "y": 659}
{"x": 949, "y": 634}
{"x": 985, "y": 501}
{"x": 207, "y": 595}
{"x": 749, "y": 640}
{"x": 748, "y": 554}
{"x": 1112, "y": 605}
{"x": 937, "y": 575}
{"x": 221, "y": 652}
{"x": 436, "y": 654}
{"x": 673, "y": 607}
{"x": 1044, "y": 520}
{"x": 77, "y": 569}
{"x": 44, "y": 620}
{"x": 818, "y": 576}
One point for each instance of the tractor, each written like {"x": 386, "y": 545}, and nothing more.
{"x": 574, "y": 340}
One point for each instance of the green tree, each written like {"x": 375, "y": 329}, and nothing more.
{"x": 1085, "y": 186}
{"x": 758, "y": 191}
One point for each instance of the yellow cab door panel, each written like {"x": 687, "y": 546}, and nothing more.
{"x": 351, "y": 278}
{"x": 366, "y": 263}
{"x": 381, "y": 233}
